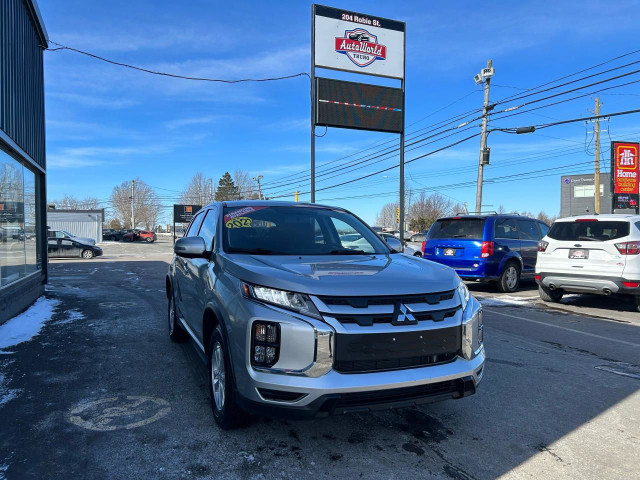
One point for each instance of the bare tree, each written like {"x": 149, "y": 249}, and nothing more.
{"x": 548, "y": 219}
{"x": 388, "y": 215}
{"x": 198, "y": 191}
{"x": 72, "y": 203}
{"x": 426, "y": 209}
{"x": 244, "y": 184}
{"x": 147, "y": 208}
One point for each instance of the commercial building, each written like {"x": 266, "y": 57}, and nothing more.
{"x": 577, "y": 195}
{"x": 23, "y": 246}
{"x": 80, "y": 223}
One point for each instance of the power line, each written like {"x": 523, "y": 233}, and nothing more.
{"x": 173, "y": 75}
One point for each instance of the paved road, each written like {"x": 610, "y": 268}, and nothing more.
{"x": 103, "y": 393}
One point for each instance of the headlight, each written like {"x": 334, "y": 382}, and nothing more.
{"x": 297, "y": 302}
{"x": 463, "y": 292}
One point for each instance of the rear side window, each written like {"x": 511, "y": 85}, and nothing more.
{"x": 544, "y": 228}
{"x": 528, "y": 230}
{"x": 506, "y": 228}
{"x": 594, "y": 231}
{"x": 458, "y": 228}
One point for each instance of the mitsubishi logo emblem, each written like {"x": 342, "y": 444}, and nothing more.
{"x": 402, "y": 315}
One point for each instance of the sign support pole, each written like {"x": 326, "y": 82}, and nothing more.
{"x": 313, "y": 104}
{"x": 401, "y": 226}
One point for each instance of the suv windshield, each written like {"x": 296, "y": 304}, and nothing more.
{"x": 588, "y": 230}
{"x": 457, "y": 228}
{"x": 266, "y": 230}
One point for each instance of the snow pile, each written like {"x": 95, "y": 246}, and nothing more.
{"x": 27, "y": 325}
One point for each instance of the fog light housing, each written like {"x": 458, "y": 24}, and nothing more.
{"x": 265, "y": 343}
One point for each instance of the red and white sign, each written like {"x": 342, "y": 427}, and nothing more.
{"x": 355, "y": 42}
{"x": 624, "y": 167}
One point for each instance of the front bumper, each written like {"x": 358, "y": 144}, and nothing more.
{"x": 587, "y": 283}
{"x": 336, "y": 393}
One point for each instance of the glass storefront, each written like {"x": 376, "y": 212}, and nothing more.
{"x": 18, "y": 246}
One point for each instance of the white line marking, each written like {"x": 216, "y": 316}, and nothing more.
{"x": 631, "y": 344}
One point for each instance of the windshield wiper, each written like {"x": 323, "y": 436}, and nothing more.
{"x": 256, "y": 251}
{"x": 347, "y": 251}
{"x": 458, "y": 236}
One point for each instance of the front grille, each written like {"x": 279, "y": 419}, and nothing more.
{"x": 373, "y": 352}
{"x": 364, "y": 366}
{"x": 364, "y": 302}
{"x": 368, "y": 320}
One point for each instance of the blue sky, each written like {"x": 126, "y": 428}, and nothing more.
{"x": 107, "y": 124}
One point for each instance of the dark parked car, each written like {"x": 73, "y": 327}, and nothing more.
{"x": 501, "y": 248}
{"x": 67, "y": 247}
{"x": 112, "y": 234}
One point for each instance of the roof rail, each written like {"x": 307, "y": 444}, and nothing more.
{"x": 488, "y": 212}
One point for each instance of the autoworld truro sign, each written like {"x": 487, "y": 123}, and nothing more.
{"x": 345, "y": 40}
{"x": 624, "y": 175}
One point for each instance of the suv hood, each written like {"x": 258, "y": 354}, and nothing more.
{"x": 339, "y": 275}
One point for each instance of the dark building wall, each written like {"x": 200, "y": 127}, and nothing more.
{"x": 572, "y": 188}
{"x": 23, "y": 245}
{"x": 22, "y": 79}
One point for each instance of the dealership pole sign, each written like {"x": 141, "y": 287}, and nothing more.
{"x": 624, "y": 175}
{"x": 357, "y": 43}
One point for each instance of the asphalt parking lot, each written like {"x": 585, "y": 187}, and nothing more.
{"x": 102, "y": 392}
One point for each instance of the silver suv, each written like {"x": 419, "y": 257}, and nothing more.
{"x": 297, "y": 320}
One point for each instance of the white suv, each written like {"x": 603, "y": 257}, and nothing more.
{"x": 590, "y": 254}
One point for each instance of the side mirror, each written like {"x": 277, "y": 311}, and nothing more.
{"x": 395, "y": 244}
{"x": 190, "y": 247}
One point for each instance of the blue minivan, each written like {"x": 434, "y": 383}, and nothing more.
{"x": 500, "y": 248}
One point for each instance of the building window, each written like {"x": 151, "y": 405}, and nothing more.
{"x": 18, "y": 248}
{"x": 584, "y": 191}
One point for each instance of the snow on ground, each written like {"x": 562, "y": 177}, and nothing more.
{"x": 27, "y": 325}
{"x": 72, "y": 316}
{"x": 6, "y": 393}
{"x": 504, "y": 301}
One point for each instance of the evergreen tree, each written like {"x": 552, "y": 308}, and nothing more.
{"x": 227, "y": 189}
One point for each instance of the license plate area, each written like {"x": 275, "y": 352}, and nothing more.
{"x": 579, "y": 253}
{"x": 449, "y": 252}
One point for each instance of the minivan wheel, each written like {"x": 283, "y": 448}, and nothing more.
{"x": 149, "y": 239}
{"x": 510, "y": 278}
{"x": 87, "y": 254}
{"x": 548, "y": 295}
{"x": 226, "y": 411}
{"x": 176, "y": 332}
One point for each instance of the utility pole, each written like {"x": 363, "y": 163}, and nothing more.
{"x": 597, "y": 175}
{"x": 484, "y": 76}
{"x": 133, "y": 182}
{"x": 257, "y": 179}
{"x": 211, "y": 190}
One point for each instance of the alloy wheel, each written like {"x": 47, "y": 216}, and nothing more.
{"x": 218, "y": 376}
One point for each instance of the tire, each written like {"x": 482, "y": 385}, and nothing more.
{"x": 176, "y": 332}
{"x": 417, "y": 254}
{"x": 510, "y": 278}
{"x": 149, "y": 239}
{"x": 638, "y": 302}
{"x": 226, "y": 412}
{"x": 548, "y": 295}
{"x": 87, "y": 254}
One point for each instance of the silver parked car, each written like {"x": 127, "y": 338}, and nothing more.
{"x": 295, "y": 322}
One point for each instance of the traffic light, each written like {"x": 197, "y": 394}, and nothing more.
{"x": 296, "y": 196}
{"x": 398, "y": 215}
